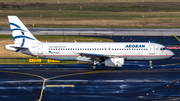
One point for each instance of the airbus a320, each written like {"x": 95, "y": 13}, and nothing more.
{"x": 107, "y": 54}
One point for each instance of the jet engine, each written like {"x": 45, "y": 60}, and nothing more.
{"x": 113, "y": 62}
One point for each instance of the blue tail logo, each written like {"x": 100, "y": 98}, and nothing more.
{"x": 20, "y": 36}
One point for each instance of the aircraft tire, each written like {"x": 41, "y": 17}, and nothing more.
{"x": 94, "y": 67}
{"x": 151, "y": 67}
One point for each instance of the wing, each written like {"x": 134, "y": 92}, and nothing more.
{"x": 97, "y": 57}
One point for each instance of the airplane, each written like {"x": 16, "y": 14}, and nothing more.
{"x": 106, "y": 53}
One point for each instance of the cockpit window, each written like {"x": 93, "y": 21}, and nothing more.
{"x": 164, "y": 48}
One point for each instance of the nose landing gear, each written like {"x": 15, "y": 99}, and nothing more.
{"x": 150, "y": 64}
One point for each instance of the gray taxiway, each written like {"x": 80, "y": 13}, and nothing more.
{"x": 98, "y": 31}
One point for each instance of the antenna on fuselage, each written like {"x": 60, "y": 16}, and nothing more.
{"x": 149, "y": 41}
{"x": 75, "y": 41}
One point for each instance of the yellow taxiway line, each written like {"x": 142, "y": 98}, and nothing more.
{"x": 78, "y": 74}
{"x": 176, "y": 37}
{"x": 54, "y": 78}
{"x": 42, "y": 90}
{"x": 29, "y": 75}
{"x": 23, "y": 73}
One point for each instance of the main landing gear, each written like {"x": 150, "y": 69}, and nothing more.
{"x": 94, "y": 65}
{"x": 150, "y": 64}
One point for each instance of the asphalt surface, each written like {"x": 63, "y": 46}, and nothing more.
{"x": 99, "y": 31}
{"x": 135, "y": 82}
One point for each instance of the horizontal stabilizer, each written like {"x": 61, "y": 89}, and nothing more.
{"x": 14, "y": 47}
{"x": 19, "y": 47}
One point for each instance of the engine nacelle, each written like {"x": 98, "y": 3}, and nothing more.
{"x": 113, "y": 62}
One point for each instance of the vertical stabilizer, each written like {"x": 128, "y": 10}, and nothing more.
{"x": 20, "y": 33}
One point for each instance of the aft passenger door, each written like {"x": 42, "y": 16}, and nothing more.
{"x": 151, "y": 50}
{"x": 40, "y": 49}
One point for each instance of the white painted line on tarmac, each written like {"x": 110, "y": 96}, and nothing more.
{"x": 59, "y": 85}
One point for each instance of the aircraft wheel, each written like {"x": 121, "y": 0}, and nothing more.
{"x": 94, "y": 67}
{"x": 151, "y": 67}
{"x": 150, "y": 64}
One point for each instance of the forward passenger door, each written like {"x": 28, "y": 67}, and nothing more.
{"x": 151, "y": 50}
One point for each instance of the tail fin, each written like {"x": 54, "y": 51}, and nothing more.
{"x": 20, "y": 33}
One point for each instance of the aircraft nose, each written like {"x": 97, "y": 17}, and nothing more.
{"x": 172, "y": 53}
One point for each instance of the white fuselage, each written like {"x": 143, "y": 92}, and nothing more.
{"x": 126, "y": 50}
